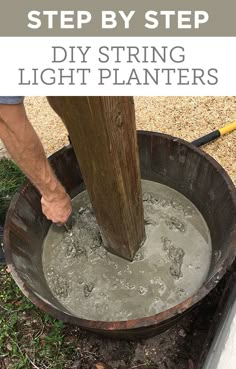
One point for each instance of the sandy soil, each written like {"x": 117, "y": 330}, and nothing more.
{"x": 185, "y": 117}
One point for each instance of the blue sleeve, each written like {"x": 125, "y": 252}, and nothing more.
{"x": 11, "y": 100}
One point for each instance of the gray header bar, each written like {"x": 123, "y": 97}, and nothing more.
{"x": 117, "y": 18}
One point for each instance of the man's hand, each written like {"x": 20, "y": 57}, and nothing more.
{"x": 58, "y": 208}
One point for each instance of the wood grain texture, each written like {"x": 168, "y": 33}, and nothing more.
{"x": 103, "y": 134}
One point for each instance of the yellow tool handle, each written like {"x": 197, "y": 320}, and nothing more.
{"x": 215, "y": 134}
{"x": 228, "y": 128}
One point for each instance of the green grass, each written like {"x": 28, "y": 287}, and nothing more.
{"x": 29, "y": 338}
{"x": 11, "y": 178}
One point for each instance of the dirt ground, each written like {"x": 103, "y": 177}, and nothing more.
{"x": 33, "y": 340}
{"x": 180, "y": 347}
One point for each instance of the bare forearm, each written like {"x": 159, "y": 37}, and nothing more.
{"x": 27, "y": 151}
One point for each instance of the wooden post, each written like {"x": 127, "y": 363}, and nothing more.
{"x": 103, "y": 135}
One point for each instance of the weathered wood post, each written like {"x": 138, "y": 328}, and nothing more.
{"x": 103, "y": 134}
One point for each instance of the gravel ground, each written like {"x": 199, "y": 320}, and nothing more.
{"x": 190, "y": 118}
{"x": 185, "y": 117}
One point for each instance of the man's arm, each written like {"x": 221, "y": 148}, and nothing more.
{"x": 24, "y": 146}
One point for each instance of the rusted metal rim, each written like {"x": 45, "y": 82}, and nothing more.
{"x": 162, "y": 319}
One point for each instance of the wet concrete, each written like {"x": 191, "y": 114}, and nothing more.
{"x": 171, "y": 266}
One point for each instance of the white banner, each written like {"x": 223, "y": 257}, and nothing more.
{"x": 138, "y": 66}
